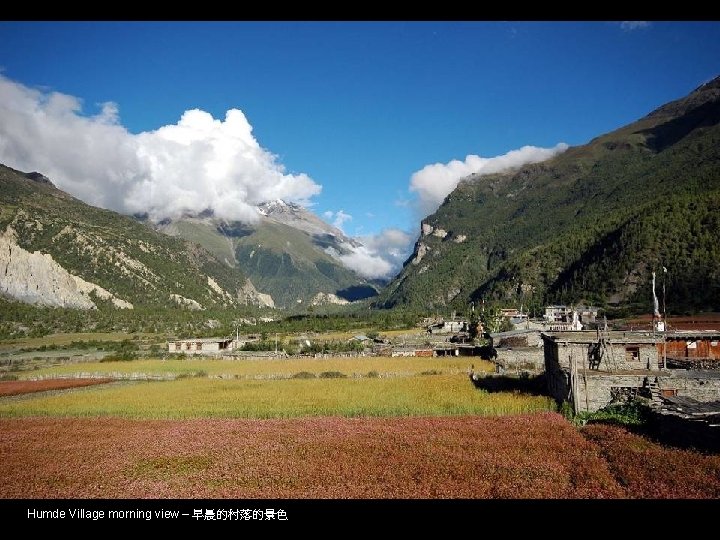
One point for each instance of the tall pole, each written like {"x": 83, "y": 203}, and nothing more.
{"x": 665, "y": 326}
{"x": 664, "y": 312}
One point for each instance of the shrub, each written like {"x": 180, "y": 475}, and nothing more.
{"x": 332, "y": 375}
{"x": 200, "y": 374}
{"x": 120, "y": 357}
{"x": 632, "y": 413}
{"x": 303, "y": 375}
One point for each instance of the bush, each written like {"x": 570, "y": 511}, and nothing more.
{"x": 632, "y": 413}
{"x": 373, "y": 374}
{"x": 303, "y": 375}
{"x": 332, "y": 375}
{"x": 120, "y": 357}
{"x": 200, "y": 374}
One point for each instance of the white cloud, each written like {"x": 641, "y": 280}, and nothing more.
{"x": 196, "y": 164}
{"x": 338, "y": 218}
{"x": 634, "y": 25}
{"x": 434, "y": 182}
{"x": 380, "y": 255}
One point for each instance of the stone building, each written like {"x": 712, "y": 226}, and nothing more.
{"x": 203, "y": 346}
{"x": 450, "y": 326}
{"x": 519, "y": 351}
{"x": 593, "y": 369}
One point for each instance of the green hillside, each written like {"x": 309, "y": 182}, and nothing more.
{"x": 116, "y": 252}
{"x": 283, "y": 261}
{"x": 588, "y": 225}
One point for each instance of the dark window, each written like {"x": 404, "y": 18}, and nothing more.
{"x": 632, "y": 354}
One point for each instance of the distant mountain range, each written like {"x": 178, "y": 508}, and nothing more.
{"x": 289, "y": 253}
{"x": 590, "y": 224}
{"x": 56, "y": 250}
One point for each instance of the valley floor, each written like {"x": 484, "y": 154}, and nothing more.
{"x": 523, "y": 456}
{"x": 307, "y": 428}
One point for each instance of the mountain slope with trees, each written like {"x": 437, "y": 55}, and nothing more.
{"x": 289, "y": 253}
{"x": 588, "y": 225}
{"x": 105, "y": 249}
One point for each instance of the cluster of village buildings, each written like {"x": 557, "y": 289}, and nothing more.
{"x": 582, "y": 361}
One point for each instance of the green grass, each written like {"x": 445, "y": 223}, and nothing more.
{"x": 207, "y": 236}
{"x": 269, "y": 368}
{"x": 634, "y": 413}
{"x": 437, "y": 395}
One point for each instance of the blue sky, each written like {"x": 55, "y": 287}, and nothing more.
{"x": 359, "y": 107}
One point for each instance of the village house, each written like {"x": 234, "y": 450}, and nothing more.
{"x": 593, "y": 369}
{"x": 450, "y": 326}
{"x": 203, "y": 346}
{"x": 587, "y": 314}
{"x": 558, "y": 313}
{"x": 411, "y": 351}
{"x": 699, "y": 349}
{"x": 519, "y": 351}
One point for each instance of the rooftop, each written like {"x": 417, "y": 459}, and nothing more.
{"x": 592, "y": 336}
{"x": 202, "y": 340}
{"x": 518, "y": 332}
{"x": 691, "y": 406}
{"x": 685, "y": 334}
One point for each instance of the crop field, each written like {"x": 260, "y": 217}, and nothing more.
{"x": 522, "y": 456}
{"x": 16, "y": 388}
{"x": 649, "y": 470}
{"x": 316, "y": 428}
{"x": 267, "y": 368}
{"x": 429, "y": 395}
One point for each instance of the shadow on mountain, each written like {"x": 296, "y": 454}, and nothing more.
{"x": 672, "y": 131}
{"x": 325, "y": 241}
{"x": 357, "y": 292}
{"x": 235, "y": 230}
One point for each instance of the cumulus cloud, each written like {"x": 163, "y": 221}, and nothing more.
{"x": 634, "y": 25}
{"x": 378, "y": 256}
{"x": 434, "y": 182}
{"x": 338, "y": 218}
{"x": 196, "y": 164}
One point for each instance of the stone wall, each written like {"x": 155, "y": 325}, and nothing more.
{"x": 619, "y": 376}
{"x": 615, "y": 358}
{"x": 558, "y": 379}
{"x": 699, "y": 385}
{"x": 596, "y": 389}
{"x": 521, "y": 359}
